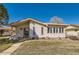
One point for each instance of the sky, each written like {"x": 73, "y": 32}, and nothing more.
{"x": 69, "y": 12}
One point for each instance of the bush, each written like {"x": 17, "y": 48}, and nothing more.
{"x": 4, "y": 40}
{"x": 74, "y": 37}
{"x": 13, "y": 41}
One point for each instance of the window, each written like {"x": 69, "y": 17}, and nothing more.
{"x": 54, "y": 30}
{"x": 41, "y": 30}
{"x": 33, "y": 30}
{"x": 49, "y": 30}
{"x": 62, "y": 29}
{"x": 20, "y": 28}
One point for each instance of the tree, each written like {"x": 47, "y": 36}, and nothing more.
{"x": 56, "y": 20}
{"x": 1, "y": 32}
{"x": 4, "y": 18}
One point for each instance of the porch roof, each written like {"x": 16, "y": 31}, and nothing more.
{"x": 3, "y": 28}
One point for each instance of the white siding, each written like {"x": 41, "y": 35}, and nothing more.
{"x": 45, "y": 34}
{"x": 72, "y": 33}
{"x": 37, "y": 30}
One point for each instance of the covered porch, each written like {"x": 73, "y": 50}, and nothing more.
{"x": 22, "y": 32}
{"x": 22, "y": 29}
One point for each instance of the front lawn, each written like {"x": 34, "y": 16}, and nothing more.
{"x": 4, "y": 43}
{"x": 4, "y": 46}
{"x": 48, "y": 47}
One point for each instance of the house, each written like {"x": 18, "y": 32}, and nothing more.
{"x": 31, "y": 28}
{"x": 5, "y": 31}
{"x": 72, "y": 30}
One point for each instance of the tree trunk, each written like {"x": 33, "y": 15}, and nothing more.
{"x": 1, "y": 32}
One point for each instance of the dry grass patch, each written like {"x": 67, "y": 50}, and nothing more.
{"x": 48, "y": 47}
{"x": 4, "y": 43}
{"x": 4, "y": 46}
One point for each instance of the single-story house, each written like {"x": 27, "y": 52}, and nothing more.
{"x": 72, "y": 31}
{"x": 31, "y": 28}
{"x": 5, "y": 31}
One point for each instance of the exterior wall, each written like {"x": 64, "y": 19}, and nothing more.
{"x": 71, "y": 33}
{"x": 38, "y": 26}
{"x": 19, "y": 32}
{"x": 78, "y": 32}
{"x": 55, "y": 35}
{"x": 38, "y": 32}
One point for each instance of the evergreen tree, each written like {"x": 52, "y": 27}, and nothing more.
{"x": 4, "y": 18}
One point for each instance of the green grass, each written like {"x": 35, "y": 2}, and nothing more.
{"x": 48, "y": 47}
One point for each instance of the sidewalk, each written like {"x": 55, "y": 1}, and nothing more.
{"x": 11, "y": 49}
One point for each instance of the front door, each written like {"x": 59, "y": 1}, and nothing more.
{"x": 26, "y": 32}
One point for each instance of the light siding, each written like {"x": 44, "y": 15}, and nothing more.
{"x": 37, "y": 30}
{"x": 45, "y": 31}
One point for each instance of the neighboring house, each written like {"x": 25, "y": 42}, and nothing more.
{"x": 72, "y": 30}
{"x": 31, "y": 28}
{"x": 6, "y": 31}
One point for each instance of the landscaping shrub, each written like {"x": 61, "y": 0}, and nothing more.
{"x": 4, "y": 40}
{"x": 7, "y": 40}
{"x": 74, "y": 37}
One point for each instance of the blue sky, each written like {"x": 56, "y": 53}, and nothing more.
{"x": 43, "y": 11}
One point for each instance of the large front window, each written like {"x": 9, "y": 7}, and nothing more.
{"x": 55, "y": 30}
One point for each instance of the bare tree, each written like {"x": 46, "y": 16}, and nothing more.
{"x": 57, "y": 20}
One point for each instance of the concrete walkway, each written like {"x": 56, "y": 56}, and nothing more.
{"x": 11, "y": 49}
